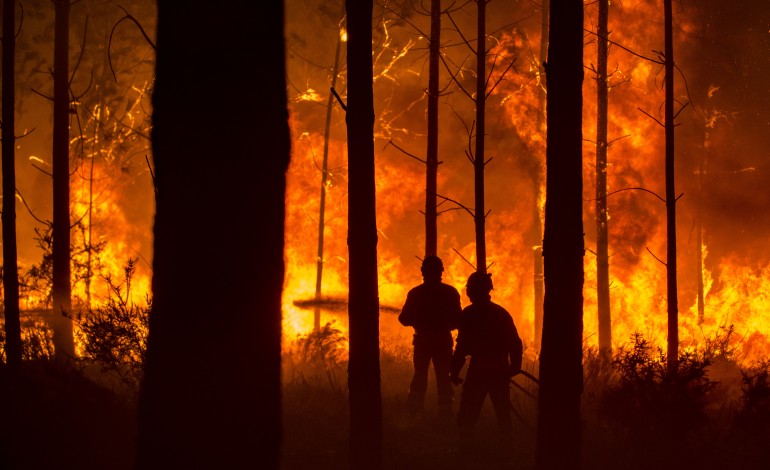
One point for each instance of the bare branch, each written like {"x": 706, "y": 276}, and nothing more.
{"x": 656, "y": 61}
{"x": 629, "y": 189}
{"x": 469, "y": 211}
{"x": 405, "y": 152}
{"x": 38, "y": 93}
{"x": 617, "y": 139}
{"x": 454, "y": 77}
{"x": 457, "y": 28}
{"x": 31, "y": 212}
{"x": 115, "y": 26}
{"x": 507, "y": 69}
{"x": 152, "y": 175}
{"x": 653, "y": 255}
{"x": 334, "y": 92}
{"x": 463, "y": 257}
{"x": 651, "y": 117}
{"x": 80, "y": 57}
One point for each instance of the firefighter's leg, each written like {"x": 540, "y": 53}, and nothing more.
{"x": 419, "y": 383}
{"x": 499, "y": 393}
{"x": 471, "y": 401}
{"x": 441, "y": 358}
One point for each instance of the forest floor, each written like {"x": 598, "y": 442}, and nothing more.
{"x": 641, "y": 427}
{"x": 60, "y": 419}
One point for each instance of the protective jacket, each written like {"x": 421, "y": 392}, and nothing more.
{"x": 432, "y": 308}
{"x": 487, "y": 334}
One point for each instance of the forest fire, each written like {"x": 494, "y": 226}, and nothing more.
{"x": 734, "y": 283}
{"x": 195, "y": 249}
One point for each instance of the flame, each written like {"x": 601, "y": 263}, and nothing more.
{"x": 735, "y": 287}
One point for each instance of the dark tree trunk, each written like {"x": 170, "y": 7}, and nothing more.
{"x": 10, "y": 264}
{"x": 62, "y": 288}
{"x": 537, "y": 225}
{"x": 671, "y": 281}
{"x": 431, "y": 173}
{"x": 478, "y": 161}
{"x": 561, "y": 373}
{"x": 364, "y": 364}
{"x": 324, "y": 181}
{"x": 211, "y": 392}
{"x": 602, "y": 242}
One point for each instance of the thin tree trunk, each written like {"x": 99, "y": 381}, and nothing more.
{"x": 13, "y": 348}
{"x": 211, "y": 396}
{"x": 62, "y": 288}
{"x": 671, "y": 281}
{"x": 478, "y": 162}
{"x": 602, "y": 249}
{"x": 365, "y": 394}
{"x": 537, "y": 225}
{"x": 699, "y": 237}
{"x": 324, "y": 180}
{"x": 431, "y": 173}
{"x": 561, "y": 372}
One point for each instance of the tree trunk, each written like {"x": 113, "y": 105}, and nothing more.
{"x": 671, "y": 281}
{"x": 211, "y": 394}
{"x": 699, "y": 234}
{"x": 324, "y": 180}
{"x": 537, "y": 225}
{"x": 62, "y": 288}
{"x": 431, "y": 173}
{"x": 478, "y": 162}
{"x": 364, "y": 364}
{"x": 602, "y": 249}
{"x": 13, "y": 348}
{"x": 561, "y": 373}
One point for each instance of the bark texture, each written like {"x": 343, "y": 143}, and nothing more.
{"x": 364, "y": 365}
{"x": 561, "y": 372}
{"x": 220, "y": 140}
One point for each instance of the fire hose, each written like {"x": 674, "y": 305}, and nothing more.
{"x": 530, "y": 377}
{"x": 526, "y": 392}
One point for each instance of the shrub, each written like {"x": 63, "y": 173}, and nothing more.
{"x": 114, "y": 335}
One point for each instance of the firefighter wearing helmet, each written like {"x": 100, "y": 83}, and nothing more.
{"x": 489, "y": 337}
{"x": 433, "y": 309}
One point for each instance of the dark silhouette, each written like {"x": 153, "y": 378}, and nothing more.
{"x": 365, "y": 394}
{"x": 433, "y": 310}
{"x": 64, "y": 343}
{"x": 672, "y": 352}
{"x": 486, "y": 334}
{"x": 211, "y": 396}
{"x": 561, "y": 354}
{"x": 10, "y": 260}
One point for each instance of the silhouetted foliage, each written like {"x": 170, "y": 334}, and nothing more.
{"x": 36, "y": 340}
{"x": 646, "y": 395}
{"x": 114, "y": 334}
{"x": 755, "y": 412}
{"x": 38, "y": 279}
{"x": 320, "y": 356}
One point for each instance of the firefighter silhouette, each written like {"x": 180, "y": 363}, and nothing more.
{"x": 433, "y": 310}
{"x": 488, "y": 335}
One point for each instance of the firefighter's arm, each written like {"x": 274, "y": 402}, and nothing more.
{"x": 406, "y": 317}
{"x": 516, "y": 351}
